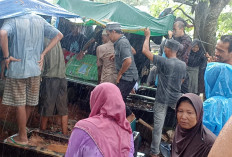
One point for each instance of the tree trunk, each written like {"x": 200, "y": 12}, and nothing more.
{"x": 210, "y": 28}
{"x": 200, "y": 16}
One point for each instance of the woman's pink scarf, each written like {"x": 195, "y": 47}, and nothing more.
{"x": 107, "y": 123}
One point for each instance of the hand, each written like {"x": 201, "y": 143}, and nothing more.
{"x": 64, "y": 50}
{"x": 170, "y": 34}
{"x": 80, "y": 55}
{"x": 147, "y": 32}
{"x": 112, "y": 57}
{"x": 210, "y": 58}
{"x": 133, "y": 91}
{"x": 11, "y": 59}
{"x": 41, "y": 61}
{"x": 118, "y": 77}
{"x": 213, "y": 59}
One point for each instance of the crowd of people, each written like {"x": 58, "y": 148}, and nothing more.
{"x": 172, "y": 70}
{"x": 33, "y": 54}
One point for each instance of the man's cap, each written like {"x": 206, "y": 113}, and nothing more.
{"x": 104, "y": 32}
{"x": 172, "y": 44}
{"x": 113, "y": 26}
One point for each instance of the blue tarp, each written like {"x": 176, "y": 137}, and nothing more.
{"x": 218, "y": 80}
{"x": 217, "y": 111}
{"x": 13, "y": 8}
{"x": 218, "y": 90}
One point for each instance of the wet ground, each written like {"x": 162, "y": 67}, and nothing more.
{"x": 7, "y": 121}
{"x": 8, "y": 124}
{"x": 8, "y": 127}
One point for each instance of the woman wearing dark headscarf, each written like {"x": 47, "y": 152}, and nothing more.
{"x": 191, "y": 139}
{"x": 195, "y": 60}
{"x": 106, "y": 133}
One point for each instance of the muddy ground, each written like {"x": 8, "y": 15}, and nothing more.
{"x": 78, "y": 109}
{"x": 8, "y": 124}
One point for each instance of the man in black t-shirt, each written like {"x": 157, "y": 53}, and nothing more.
{"x": 171, "y": 73}
{"x": 74, "y": 41}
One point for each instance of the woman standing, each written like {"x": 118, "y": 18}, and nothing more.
{"x": 195, "y": 61}
{"x": 106, "y": 133}
{"x": 191, "y": 139}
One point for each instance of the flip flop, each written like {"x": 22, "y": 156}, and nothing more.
{"x": 14, "y": 142}
{"x": 28, "y": 130}
{"x": 5, "y": 141}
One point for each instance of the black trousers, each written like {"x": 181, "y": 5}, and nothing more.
{"x": 125, "y": 88}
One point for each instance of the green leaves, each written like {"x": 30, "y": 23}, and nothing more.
{"x": 224, "y": 24}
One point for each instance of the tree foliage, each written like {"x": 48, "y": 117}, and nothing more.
{"x": 206, "y": 13}
{"x": 225, "y": 23}
{"x": 200, "y": 10}
{"x": 158, "y": 6}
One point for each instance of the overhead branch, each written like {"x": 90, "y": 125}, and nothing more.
{"x": 176, "y": 8}
{"x": 186, "y": 14}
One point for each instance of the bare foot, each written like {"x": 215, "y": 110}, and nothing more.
{"x": 131, "y": 117}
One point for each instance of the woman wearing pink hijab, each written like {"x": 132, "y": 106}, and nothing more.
{"x": 106, "y": 133}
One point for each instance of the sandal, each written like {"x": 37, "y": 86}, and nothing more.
{"x": 28, "y": 130}
{"x": 11, "y": 138}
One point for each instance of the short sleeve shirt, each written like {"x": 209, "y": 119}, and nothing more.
{"x": 123, "y": 51}
{"x": 171, "y": 73}
{"x": 27, "y": 33}
{"x": 54, "y": 64}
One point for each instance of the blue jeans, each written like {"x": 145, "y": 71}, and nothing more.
{"x": 160, "y": 111}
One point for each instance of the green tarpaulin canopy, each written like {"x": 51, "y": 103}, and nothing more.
{"x": 132, "y": 19}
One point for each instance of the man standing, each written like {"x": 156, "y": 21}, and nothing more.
{"x": 184, "y": 48}
{"x": 184, "y": 40}
{"x": 75, "y": 40}
{"x": 106, "y": 67}
{"x": 53, "y": 92}
{"x": 223, "y": 50}
{"x": 23, "y": 76}
{"x": 218, "y": 82}
{"x": 171, "y": 73}
{"x": 124, "y": 61}
{"x": 179, "y": 35}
